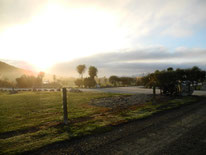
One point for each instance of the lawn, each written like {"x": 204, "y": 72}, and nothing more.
{"x": 31, "y": 120}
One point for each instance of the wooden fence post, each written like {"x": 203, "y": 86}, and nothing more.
{"x": 64, "y": 91}
{"x": 154, "y": 91}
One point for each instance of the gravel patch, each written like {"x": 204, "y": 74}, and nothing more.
{"x": 122, "y": 101}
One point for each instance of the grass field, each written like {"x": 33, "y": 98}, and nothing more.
{"x": 30, "y": 120}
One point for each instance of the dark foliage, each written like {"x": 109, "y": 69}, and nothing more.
{"x": 28, "y": 81}
{"x": 114, "y": 80}
{"x": 122, "y": 81}
{"x": 169, "y": 80}
{"x": 92, "y": 71}
{"x": 89, "y": 82}
{"x": 6, "y": 84}
{"x": 81, "y": 69}
{"x": 79, "y": 82}
{"x": 127, "y": 81}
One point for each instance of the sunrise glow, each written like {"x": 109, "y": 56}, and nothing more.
{"x": 61, "y": 34}
{"x": 138, "y": 35}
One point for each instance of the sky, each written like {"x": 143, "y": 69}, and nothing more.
{"x": 126, "y": 37}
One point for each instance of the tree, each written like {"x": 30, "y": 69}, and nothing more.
{"x": 202, "y": 76}
{"x": 92, "y": 71}
{"x": 105, "y": 81}
{"x": 79, "y": 82}
{"x": 89, "y": 82}
{"x": 6, "y": 83}
{"x": 114, "y": 80}
{"x": 170, "y": 69}
{"x": 41, "y": 76}
{"x": 170, "y": 81}
{"x": 28, "y": 81}
{"x": 126, "y": 81}
{"x": 81, "y": 69}
{"x": 54, "y": 78}
{"x": 139, "y": 81}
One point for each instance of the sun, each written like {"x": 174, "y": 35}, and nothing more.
{"x": 58, "y": 33}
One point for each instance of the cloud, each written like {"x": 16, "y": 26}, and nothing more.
{"x": 129, "y": 62}
{"x": 131, "y": 22}
{"x": 172, "y": 18}
{"x": 14, "y": 12}
{"x": 138, "y": 61}
{"x": 136, "y": 17}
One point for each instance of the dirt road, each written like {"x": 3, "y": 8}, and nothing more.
{"x": 178, "y": 131}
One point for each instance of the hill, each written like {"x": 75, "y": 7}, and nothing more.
{"x": 11, "y": 73}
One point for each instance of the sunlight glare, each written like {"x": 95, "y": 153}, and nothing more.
{"x": 63, "y": 34}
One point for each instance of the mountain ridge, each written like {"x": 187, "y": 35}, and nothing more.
{"x": 11, "y": 72}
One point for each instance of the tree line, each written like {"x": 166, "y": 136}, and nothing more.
{"x": 25, "y": 81}
{"x": 169, "y": 81}
{"x": 6, "y": 84}
{"x": 30, "y": 81}
{"x": 122, "y": 81}
{"x": 92, "y": 80}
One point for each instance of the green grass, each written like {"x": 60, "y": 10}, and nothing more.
{"x": 151, "y": 108}
{"x": 30, "y": 120}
